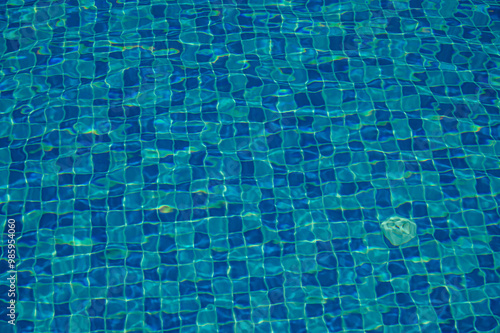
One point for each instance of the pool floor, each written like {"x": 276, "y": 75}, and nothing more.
{"x": 250, "y": 166}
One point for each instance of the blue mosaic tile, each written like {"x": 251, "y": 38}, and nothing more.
{"x": 226, "y": 166}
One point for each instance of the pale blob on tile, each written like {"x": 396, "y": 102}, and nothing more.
{"x": 399, "y": 230}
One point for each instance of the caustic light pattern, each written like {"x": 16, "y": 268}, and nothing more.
{"x": 233, "y": 165}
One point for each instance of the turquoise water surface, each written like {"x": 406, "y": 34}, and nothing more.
{"x": 228, "y": 166}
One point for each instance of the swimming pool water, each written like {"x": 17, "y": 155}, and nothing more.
{"x": 225, "y": 166}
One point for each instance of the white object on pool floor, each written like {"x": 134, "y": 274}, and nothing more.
{"x": 398, "y": 230}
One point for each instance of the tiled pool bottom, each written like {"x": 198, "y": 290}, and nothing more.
{"x": 346, "y": 284}
{"x": 226, "y": 166}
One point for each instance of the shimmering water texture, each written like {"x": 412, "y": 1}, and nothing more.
{"x": 213, "y": 166}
